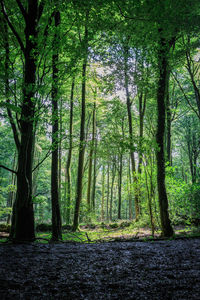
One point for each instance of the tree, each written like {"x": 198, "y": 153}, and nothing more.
{"x": 82, "y": 128}
{"x": 68, "y": 164}
{"x": 23, "y": 215}
{"x": 56, "y": 216}
{"x": 163, "y": 52}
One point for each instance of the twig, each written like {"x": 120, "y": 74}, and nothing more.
{"x": 89, "y": 240}
{"x": 8, "y": 169}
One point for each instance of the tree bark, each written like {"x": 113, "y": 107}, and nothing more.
{"x": 103, "y": 194}
{"x": 56, "y": 216}
{"x": 82, "y": 132}
{"x": 161, "y": 94}
{"x": 120, "y": 186}
{"x": 94, "y": 173}
{"x": 91, "y": 155}
{"x": 112, "y": 188}
{"x": 68, "y": 164}
{"x": 168, "y": 123}
{"x": 128, "y": 103}
{"x": 130, "y": 196}
{"x": 23, "y": 214}
{"x": 108, "y": 192}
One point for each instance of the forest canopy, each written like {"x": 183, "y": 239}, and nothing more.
{"x": 99, "y": 113}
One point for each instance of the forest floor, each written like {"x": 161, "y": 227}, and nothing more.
{"x": 162, "y": 269}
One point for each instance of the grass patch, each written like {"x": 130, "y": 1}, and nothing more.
{"x": 100, "y": 234}
{"x": 103, "y": 232}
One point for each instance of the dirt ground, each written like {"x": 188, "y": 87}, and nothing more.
{"x": 116, "y": 270}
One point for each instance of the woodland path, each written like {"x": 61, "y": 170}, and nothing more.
{"x": 116, "y": 270}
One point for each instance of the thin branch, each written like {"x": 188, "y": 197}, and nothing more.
{"x": 40, "y": 9}
{"x": 47, "y": 155}
{"x": 14, "y": 128}
{"x": 8, "y": 169}
{"x": 12, "y": 28}
{"x": 23, "y": 11}
{"x": 131, "y": 18}
{"x": 186, "y": 98}
{"x": 44, "y": 158}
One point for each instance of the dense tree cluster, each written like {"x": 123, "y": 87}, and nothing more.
{"x": 99, "y": 113}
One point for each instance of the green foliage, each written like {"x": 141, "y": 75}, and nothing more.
{"x": 130, "y": 30}
{"x": 183, "y": 199}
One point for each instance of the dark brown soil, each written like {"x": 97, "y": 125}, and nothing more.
{"x": 117, "y": 270}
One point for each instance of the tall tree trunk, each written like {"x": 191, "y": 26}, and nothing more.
{"x": 112, "y": 188}
{"x": 82, "y": 132}
{"x": 120, "y": 186}
{"x": 103, "y": 194}
{"x": 168, "y": 122}
{"x": 23, "y": 214}
{"x": 150, "y": 192}
{"x": 91, "y": 155}
{"x": 11, "y": 194}
{"x": 94, "y": 174}
{"x": 56, "y": 216}
{"x": 15, "y": 133}
{"x": 142, "y": 107}
{"x": 60, "y": 155}
{"x": 161, "y": 94}
{"x": 108, "y": 192}
{"x": 128, "y": 103}
{"x": 130, "y": 196}
{"x": 68, "y": 164}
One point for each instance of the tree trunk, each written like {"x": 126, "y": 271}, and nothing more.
{"x": 23, "y": 214}
{"x": 150, "y": 192}
{"x": 120, "y": 186}
{"x": 168, "y": 123}
{"x": 112, "y": 188}
{"x": 56, "y": 217}
{"x": 108, "y": 193}
{"x": 142, "y": 107}
{"x": 130, "y": 195}
{"x": 11, "y": 194}
{"x": 94, "y": 175}
{"x": 82, "y": 132}
{"x": 60, "y": 156}
{"x": 128, "y": 103}
{"x": 68, "y": 164}
{"x": 161, "y": 93}
{"x": 91, "y": 155}
{"x": 103, "y": 193}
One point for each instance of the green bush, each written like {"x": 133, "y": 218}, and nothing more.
{"x": 125, "y": 224}
{"x": 113, "y": 225}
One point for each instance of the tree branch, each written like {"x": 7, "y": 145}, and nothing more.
{"x": 49, "y": 152}
{"x": 14, "y": 128}
{"x": 8, "y": 169}
{"x": 45, "y": 157}
{"x": 12, "y": 27}
{"x": 131, "y": 18}
{"x": 186, "y": 98}
{"x": 23, "y": 11}
{"x": 40, "y": 9}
